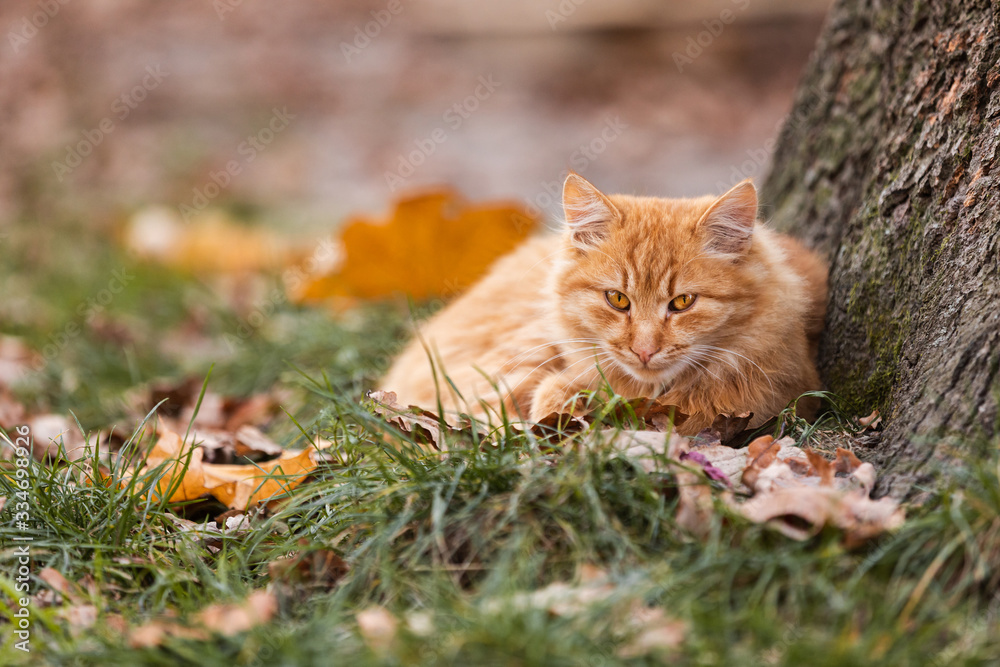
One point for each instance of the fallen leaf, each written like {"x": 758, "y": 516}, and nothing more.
{"x": 252, "y": 411}
{"x": 710, "y": 470}
{"x": 761, "y": 453}
{"x": 16, "y": 360}
{"x": 224, "y": 619}
{"x": 424, "y": 426}
{"x": 79, "y": 616}
{"x": 871, "y": 422}
{"x": 822, "y": 467}
{"x": 186, "y": 476}
{"x": 431, "y": 244}
{"x": 209, "y": 242}
{"x": 319, "y": 568}
{"x": 12, "y": 411}
{"x": 183, "y": 476}
{"x": 54, "y": 435}
{"x": 155, "y": 632}
{"x": 250, "y": 440}
{"x": 60, "y": 584}
{"x": 378, "y": 628}
{"x": 240, "y": 486}
{"x": 695, "y": 506}
{"x": 231, "y": 619}
{"x": 654, "y": 632}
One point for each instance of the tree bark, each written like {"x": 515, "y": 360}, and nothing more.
{"x": 886, "y": 164}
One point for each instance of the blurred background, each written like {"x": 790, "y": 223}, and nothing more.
{"x": 642, "y": 96}
{"x": 125, "y": 124}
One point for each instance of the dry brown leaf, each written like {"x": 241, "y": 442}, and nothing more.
{"x": 695, "y": 505}
{"x": 252, "y": 411}
{"x": 232, "y": 619}
{"x": 79, "y": 617}
{"x": 656, "y": 632}
{"x": 251, "y": 441}
{"x": 320, "y": 568}
{"x": 761, "y": 453}
{"x": 424, "y": 426}
{"x": 846, "y": 461}
{"x": 16, "y": 360}
{"x": 871, "y": 422}
{"x": 224, "y": 619}
{"x": 800, "y": 512}
{"x": 431, "y": 244}
{"x": 60, "y": 584}
{"x": 378, "y": 628}
{"x": 821, "y": 467}
{"x": 12, "y": 411}
{"x": 153, "y": 633}
{"x": 48, "y": 431}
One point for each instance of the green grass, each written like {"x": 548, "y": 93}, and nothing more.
{"x": 456, "y": 540}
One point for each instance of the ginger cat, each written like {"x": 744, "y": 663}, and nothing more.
{"x": 691, "y": 300}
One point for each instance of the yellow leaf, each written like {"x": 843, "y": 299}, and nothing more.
{"x": 179, "y": 460}
{"x": 238, "y": 486}
{"x": 432, "y": 244}
{"x": 210, "y": 242}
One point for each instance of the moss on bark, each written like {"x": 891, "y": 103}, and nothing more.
{"x": 886, "y": 164}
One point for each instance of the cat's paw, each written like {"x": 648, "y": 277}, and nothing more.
{"x": 553, "y": 395}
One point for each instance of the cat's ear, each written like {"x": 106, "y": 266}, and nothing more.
{"x": 589, "y": 213}
{"x": 727, "y": 225}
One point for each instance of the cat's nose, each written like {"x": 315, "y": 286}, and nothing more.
{"x": 645, "y": 353}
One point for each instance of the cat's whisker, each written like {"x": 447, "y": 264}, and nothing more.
{"x": 513, "y": 361}
{"x": 704, "y": 368}
{"x": 533, "y": 370}
{"x": 747, "y": 359}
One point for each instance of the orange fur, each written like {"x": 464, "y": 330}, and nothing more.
{"x": 538, "y": 328}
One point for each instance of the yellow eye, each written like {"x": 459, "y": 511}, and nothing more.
{"x": 617, "y": 300}
{"x": 682, "y": 302}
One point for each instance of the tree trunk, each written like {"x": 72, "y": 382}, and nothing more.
{"x": 886, "y": 165}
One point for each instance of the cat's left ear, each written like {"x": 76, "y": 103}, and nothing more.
{"x": 589, "y": 213}
{"x": 728, "y": 222}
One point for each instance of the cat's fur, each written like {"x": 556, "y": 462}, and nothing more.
{"x": 539, "y": 326}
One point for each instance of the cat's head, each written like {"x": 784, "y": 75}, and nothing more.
{"x": 661, "y": 286}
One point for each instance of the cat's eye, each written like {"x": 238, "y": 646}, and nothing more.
{"x": 617, "y": 300}
{"x": 682, "y": 302}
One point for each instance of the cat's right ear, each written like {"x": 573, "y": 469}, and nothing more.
{"x": 589, "y": 213}
{"x": 728, "y": 223}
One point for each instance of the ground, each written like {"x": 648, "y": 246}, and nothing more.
{"x": 507, "y": 551}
